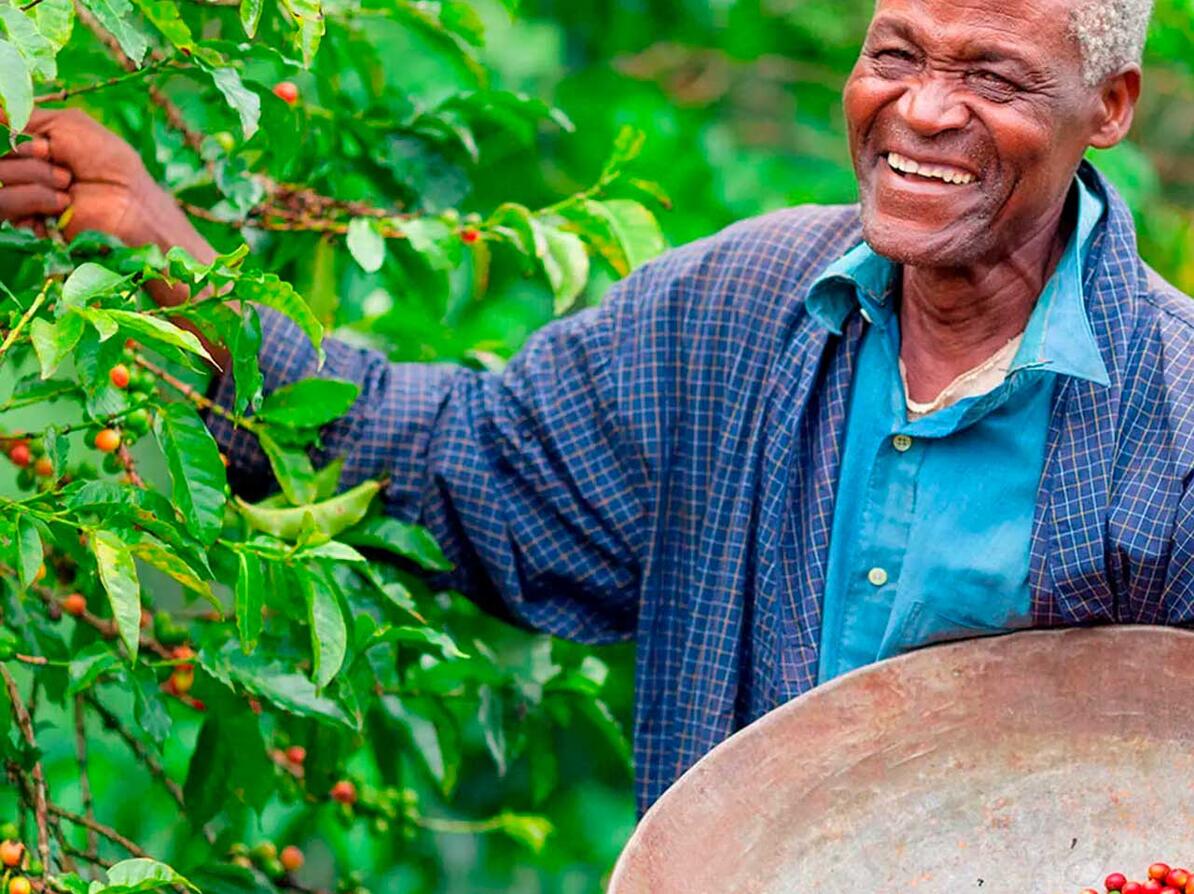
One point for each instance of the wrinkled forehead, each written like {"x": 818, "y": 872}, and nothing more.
{"x": 1040, "y": 30}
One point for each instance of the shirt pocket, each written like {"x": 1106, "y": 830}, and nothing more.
{"x": 926, "y": 623}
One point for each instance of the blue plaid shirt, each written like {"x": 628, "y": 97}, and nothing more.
{"x": 663, "y": 467}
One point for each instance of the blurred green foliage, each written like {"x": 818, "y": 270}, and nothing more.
{"x": 740, "y": 103}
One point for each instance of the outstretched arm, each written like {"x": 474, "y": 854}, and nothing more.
{"x": 530, "y": 480}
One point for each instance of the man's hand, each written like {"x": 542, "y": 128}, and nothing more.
{"x": 73, "y": 161}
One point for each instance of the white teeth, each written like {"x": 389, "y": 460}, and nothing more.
{"x": 911, "y": 166}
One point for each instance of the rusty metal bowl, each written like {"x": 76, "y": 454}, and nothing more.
{"x": 1034, "y": 763}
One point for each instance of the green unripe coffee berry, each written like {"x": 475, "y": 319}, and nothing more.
{"x": 273, "y": 868}
{"x": 26, "y": 479}
{"x": 267, "y": 850}
{"x": 112, "y": 463}
{"x": 35, "y": 867}
{"x": 137, "y": 422}
{"x": 10, "y": 831}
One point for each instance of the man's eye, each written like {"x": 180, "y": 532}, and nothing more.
{"x": 895, "y": 55}
{"x": 995, "y": 84}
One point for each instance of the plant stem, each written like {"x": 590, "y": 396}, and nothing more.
{"x": 199, "y": 400}
{"x": 25, "y": 723}
{"x": 106, "y": 831}
{"x": 25, "y": 318}
{"x": 67, "y": 92}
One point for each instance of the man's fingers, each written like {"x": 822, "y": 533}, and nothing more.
{"x": 14, "y": 171}
{"x": 31, "y": 199}
{"x": 38, "y": 147}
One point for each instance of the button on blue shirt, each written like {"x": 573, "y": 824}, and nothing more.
{"x": 933, "y": 518}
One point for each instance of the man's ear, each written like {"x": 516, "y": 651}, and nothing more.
{"x": 1116, "y": 108}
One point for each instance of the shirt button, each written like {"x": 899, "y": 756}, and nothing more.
{"x": 902, "y": 443}
{"x": 877, "y": 576}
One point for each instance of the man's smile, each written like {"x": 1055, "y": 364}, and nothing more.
{"x": 929, "y": 170}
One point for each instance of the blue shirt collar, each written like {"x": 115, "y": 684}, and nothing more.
{"x": 1058, "y": 338}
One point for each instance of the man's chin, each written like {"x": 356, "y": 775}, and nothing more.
{"x": 916, "y": 246}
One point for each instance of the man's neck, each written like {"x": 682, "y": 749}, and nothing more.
{"x": 953, "y": 319}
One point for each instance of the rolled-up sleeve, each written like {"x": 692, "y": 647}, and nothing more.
{"x": 529, "y": 479}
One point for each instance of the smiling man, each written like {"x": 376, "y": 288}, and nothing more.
{"x": 821, "y": 437}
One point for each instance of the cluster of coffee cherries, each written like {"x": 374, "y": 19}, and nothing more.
{"x": 36, "y": 469}
{"x": 276, "y": 864}
{"x": 1162, "y": 879}
{"x": 18, "y": 866}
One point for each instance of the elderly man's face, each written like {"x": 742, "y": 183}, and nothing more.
{"x": 966, "y": 121}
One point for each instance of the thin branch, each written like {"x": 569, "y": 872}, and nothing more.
{"x": 153, "y": 68}
{"x": 25, "y": 318}
{"x": 112, "y": 722}
{"x": 84, "y": 780}
{"x": 25, "y": 722}
{"x": 199, "y": 400}
{"x": 130, "y": 466}
{"x": 106, "y": 831}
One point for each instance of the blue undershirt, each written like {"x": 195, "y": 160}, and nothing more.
{"x": 933, "y": 518}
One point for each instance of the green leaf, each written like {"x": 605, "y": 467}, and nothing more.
{"x": 309, "y": 403}
{"x": 115, "y": 16}
{"x": 157, "y": 329}
{"x": 241, "y": 335}
{"x": 406, "y": 540}
{"x": 197, "y": 473}
{"x": 330, "y": 516}
{"x": 89, "y": 665}
{"x": 89, "y": 281}
{"x": 271, "y": 291}
{"x": 16, "y": 86}
{"x": 532, "y": 831}
{"x": 55, "y": 20}
{"x": 165, "y": 17}
{"x": 229, "y": 763}
{"x": 29, "y": 550}
{"x": 149, "y": 712}
{"x": 308, "y": 15}
{"x": 628, "y": 144}
{"x": 250, "y": 597}
{"x": 566, "y": 264}
{"x": 274, "y": 682}
{"x": 433, "y": 744}
{"x": 38, "y": 52}
{"x": 53, "y": 342}
{"x": 246, "y": 103}
{"x": 366, "y": 244}
{"x": 636, "y": 229}
{"x": 624, "y": 232}
{"x": 416, "y": 636}
{"x": 143, "y": 875}
{"x": 57, "y": 446}
{"x": 329, "y": 633}
{"x": 292, "y": 467}
{"x": 493, "y": 723}
{"x": 250, "y": 15}
{"x": 118, "y": 573}
{"x": 148, "y": 549}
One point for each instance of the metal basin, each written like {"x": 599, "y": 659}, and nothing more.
{"x": 1034, "y": 763}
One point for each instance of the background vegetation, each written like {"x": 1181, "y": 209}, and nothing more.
{"x": 410, "y": 106}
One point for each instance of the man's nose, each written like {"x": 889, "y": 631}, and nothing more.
{"x": 931, "y": 106}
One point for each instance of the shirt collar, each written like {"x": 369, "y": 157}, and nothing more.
{"x": 1058, "y": 338}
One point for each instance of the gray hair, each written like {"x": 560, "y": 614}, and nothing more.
{"x": 1111, "y": 34}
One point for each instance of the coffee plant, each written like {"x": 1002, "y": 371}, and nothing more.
{"x": 275, "y": 657}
